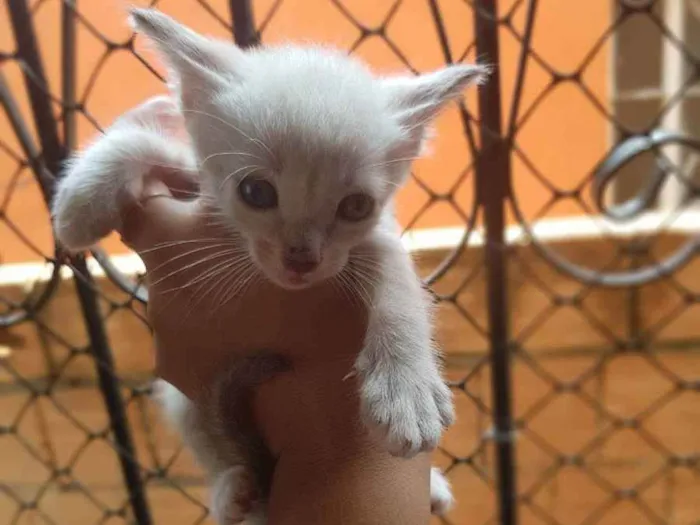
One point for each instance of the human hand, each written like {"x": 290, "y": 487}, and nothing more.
{"x": 328, "y": 465}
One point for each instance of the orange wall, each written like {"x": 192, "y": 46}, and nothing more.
{"x": 564, "y": 139}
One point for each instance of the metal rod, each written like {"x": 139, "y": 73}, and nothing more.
{"x": 109, "y": 386}
{"x": 493, "y": 187}
{"x": 244, "y": 32}
{"x": 36, "y": 84}
{"x": 522, "y": 69}
{"x": 21, "y": 130}
{"x": 436, "y": 15}
{"x": 68, "y": 71}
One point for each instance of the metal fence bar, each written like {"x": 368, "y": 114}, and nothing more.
{"x": 109, "y": 386}
{"x": 244, "y": 32}
{"x": 68, "y": 72}
{"x": 36, "y": 85}
{"x": 493, "y": 187}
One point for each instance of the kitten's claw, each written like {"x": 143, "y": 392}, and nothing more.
{"x": 406, "y": 409}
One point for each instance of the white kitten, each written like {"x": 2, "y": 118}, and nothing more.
{"x": 302, "y": 149}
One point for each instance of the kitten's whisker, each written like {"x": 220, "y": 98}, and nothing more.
{"x": 182, "y": 269}
{"x": 190, "y": 252}
{"x": 230, "y": 272}
{"x": 369, "y": 273}
{"x": 179, "y": 289}
{"x": 184, "y": 168}
{"x": 364, "y": 258}
{"x": 217, "y": 214}
{"x": 355, "y": 285}
{"x": 228, "y": 154}
{"x": 255, "y": 280}
{"x": 362, "y": 282}
{"x": 236, "y": 286}
{"x": 250, "y": 167}
{"x": 187, "y": 192}
{"x": 247, "y": 283}
{"x": 393, "y": 161}
{"x": 233, "y": 246}
{"x": 235, "y": 276}
{"x": 223, "y": 287}
{"x": 232, "y": 267}
{"x": 340, "y": 283}
{"x": 218, "y": 223}
{"x": 230, "y": 278}
{"x": 247, "y": 274}
{"x": 345, "y": 281}
{"x": 170, "y": 244}
{"x": 223, "y": 266}
{"x": 235, "y": 128}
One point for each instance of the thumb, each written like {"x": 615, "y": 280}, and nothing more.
{"x": 158, "y": 219}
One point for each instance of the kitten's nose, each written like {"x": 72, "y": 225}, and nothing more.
{"x": 300, "y": 259}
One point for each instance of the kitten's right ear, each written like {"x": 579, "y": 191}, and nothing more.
{"x": 198, "y": 66}
{"x": 417, "y": 100}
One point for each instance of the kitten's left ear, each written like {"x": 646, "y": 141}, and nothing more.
{"x": 417, "y": 100}
{"x": 199, "y": 66}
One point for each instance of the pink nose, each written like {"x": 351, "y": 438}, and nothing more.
{"x": 300, "y": 260}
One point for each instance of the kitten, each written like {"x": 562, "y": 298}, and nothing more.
{"x": 302, "y": 149}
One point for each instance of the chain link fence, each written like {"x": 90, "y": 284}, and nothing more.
{"x": 567, "y": 276}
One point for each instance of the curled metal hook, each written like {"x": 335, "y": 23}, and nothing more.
{"x": 124, "y": 283}
{"x": 604, "y": 174}
{"x": 27, "y": 308}
{"x": 622, "y": 155}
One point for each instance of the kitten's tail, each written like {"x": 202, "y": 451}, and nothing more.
{"x": 233, "y": 401}
{"x": 220, "y": 428}
{"x": 101, "y": 181}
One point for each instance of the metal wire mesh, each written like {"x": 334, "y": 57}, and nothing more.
{"x": 572, "y": 342}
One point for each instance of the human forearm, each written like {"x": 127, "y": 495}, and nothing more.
{"x": 369, "y": 488}
{"x": 330, "y": 469}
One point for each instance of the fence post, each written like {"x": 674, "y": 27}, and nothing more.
{"x": 492, "y": 190}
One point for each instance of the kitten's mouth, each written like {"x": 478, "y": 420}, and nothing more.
{"x": 292, "y": 280}
{"x": 296, "y": 279}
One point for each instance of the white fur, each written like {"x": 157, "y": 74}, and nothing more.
{"x": 441, "y": 499}
{"x": 224, "y": 463}
{"x": 105, "y": 178}
{"x": 318, "y": 126}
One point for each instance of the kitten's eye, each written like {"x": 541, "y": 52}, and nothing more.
{"x": 258, "y": 193}
{"x": 356, "y": 207}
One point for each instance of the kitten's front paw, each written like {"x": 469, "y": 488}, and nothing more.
{"x": 407, "y": 408}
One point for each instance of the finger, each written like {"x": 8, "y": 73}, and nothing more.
{"x": 157, "y": 219}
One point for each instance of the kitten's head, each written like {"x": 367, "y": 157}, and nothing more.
{"x": 301, "y": 147}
